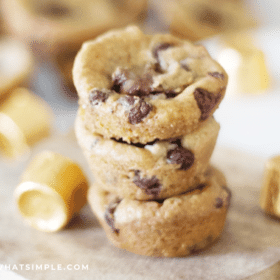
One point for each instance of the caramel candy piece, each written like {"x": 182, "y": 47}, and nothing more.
{"x": 16, "y": 64}
{"x": 245, "y": 63}
{"x": 253, "y": 75}
{"x": 24, "y": 119}
{"x": 52, "y": 189}
{"x": 270, "y": 193}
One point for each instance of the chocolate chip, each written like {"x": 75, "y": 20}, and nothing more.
{"x": 200, "y": 187}
{"x": 55, "y": 10}
{"x": 206, "y": 101}
{"x": 194, "y": 249}
{"x": 150, "y": 186}
{"x": 170, "y": 93}
{"x": 182, "y": 156}
{"x": 140, "y": 111}
{"x": 160, "y": 201}
{"x": 138, "y": 82}
{"x": 130, "y": 99}
{"x": 116, "y": 87}
{"x": 219, "y": 203}
{"x": 109, "y": 215}
{"x": 128, "y": 82}
{"x": 175, "y": 140}
{"x": 156, "y": 50}
{"x": 97, "y": 96}
{"x": 161, "y": 47}
{"x": 217, "y": 75}
{"x": 138, "y": 145}
{"x": 158, "y": 68}
{"x": 119, "y": 77}
{"x": 185, "y": 66}
{"x": 141, "y": 86}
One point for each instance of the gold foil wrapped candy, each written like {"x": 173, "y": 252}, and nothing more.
{"x": 52, "y": 189}
{"x": 245, "y": 64}
{"x": 16, "y": 64}
{"x": 24, "y": 119}
{"x": 270, "y": 193}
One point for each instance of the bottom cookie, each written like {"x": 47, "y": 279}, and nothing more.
{"x": 173, "y": 227}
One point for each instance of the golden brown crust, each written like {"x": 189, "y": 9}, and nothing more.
{"x": 177, "y": 226}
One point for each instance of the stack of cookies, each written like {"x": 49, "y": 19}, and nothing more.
{"x": 145, "y": 125}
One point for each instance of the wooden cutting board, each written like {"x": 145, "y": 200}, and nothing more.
{"x": 249, "y": 245}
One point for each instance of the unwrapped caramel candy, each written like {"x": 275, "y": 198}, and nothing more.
{"x": 25, "y": 118}
{"x": 52, "y": 189}
{"x": 270, "y": 193}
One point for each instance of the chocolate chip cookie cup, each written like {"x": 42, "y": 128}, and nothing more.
{"x": 51, "y": 26}
{"x": 174, "y": 227}
{"x": 153, "y": 171}
{"x": 139, "y": 88}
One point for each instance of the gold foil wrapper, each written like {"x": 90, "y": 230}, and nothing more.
{"x": 53, "y": 188}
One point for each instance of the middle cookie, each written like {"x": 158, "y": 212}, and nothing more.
{"x": 155, "y": 170}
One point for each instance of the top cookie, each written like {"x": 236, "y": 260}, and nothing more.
{"x": 139, "y": 88}
{"x": 50, "y": 26}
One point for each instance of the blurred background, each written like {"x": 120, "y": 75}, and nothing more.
{"x": 39, "y": 40}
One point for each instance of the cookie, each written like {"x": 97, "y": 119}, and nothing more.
{"x": 16, "y": 64}
{"x": 153, "y": 171}
{"x": 174, "y": 227}
{"x": 51, "y": 25}
{"x": 269, "y": 197}
{"x": 199, "y": 19}
{"x": 139, "y": 88}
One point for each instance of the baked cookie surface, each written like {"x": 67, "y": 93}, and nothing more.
{"x": 176, "y": 226}
{"x": 139, "y": 88}
{"x": 153, "y": 171}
